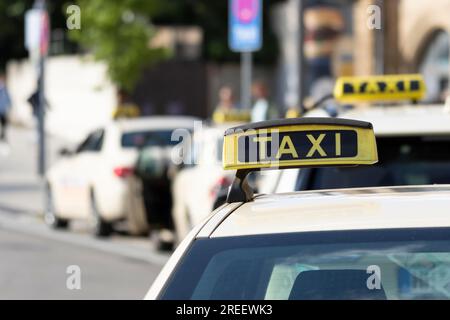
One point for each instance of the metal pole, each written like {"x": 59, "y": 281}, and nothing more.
{"x": 379, "y": 42}
{"x": 40, "y": 4}
{"x": 41, "y": 119}
{"x": 301, "y": 57}
{"x": 246, "y": 80}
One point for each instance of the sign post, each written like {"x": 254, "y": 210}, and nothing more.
{"x": 37, "y": 33}
{"x": 44, "y": 42}
{"x": 245, "y": 36}
{"x": 37, "y": 38}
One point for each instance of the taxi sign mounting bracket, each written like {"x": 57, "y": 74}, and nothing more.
{"x": 294, "y": 143}
{"x": 240, "y": 190}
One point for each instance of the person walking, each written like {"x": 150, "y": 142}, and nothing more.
{"x": 5, "y": 105}
{"x": 227, "y": 110}
{"x": 226, "y": 105}
{"x": 33, "y": 100}
{"x": 262, "y": 109}
{"x": 125, "y": 106}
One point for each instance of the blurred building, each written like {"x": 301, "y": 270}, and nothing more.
{"x": 414, "y": 37}
{"x": 79, "y": 94}
{"x": 327, "y": 47}
{"x": 187, "y": 83}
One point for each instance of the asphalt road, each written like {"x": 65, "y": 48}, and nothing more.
{"x": 34, "y": 260}
{"x": 38, "y": 268}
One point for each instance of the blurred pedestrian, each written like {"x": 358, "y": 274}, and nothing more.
{"x": 125, "y": 107}
{"x": 226, "y": 99}
{"x": 5, "y": 105}
{"x": 33, "y": 100}
{"x": 262, "y": 109}
{"x": 226, "y": 105}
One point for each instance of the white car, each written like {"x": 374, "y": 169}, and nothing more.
{"x": 361, "y": 243}
{"x": 413, "y": 149}
{"x": 412, "y": 138}
{"x": 92, "y": 181}
{"x": 271, "y": 247}
{"x": 195, "y": 188}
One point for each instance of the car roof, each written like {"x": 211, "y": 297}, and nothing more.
{"x": 401, "y": 120}
{"x": 340, "y": 209}
{"x": 220, "y": 127}
{"x": 212, "y": 132}
{"x": 154, "y": 122}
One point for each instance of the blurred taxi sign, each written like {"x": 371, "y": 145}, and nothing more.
{"x": 303, "y": 142}
{"x": 293, "y": 113}
{"x": 379, "y": 88}
{"x": 220, "y": 116}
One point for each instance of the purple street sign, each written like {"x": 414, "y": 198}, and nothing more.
{"x": 245, "y": 23}
{"x": 246, "y": 10}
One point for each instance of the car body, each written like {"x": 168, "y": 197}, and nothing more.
{"x": 92, "y": 182}
{"x": 389, "y": 242}
{"x": 195, "y": 187}
{"x": 396, "y": 127}
{"x": 400, "y": 234}
{"x": 150, "y": 193}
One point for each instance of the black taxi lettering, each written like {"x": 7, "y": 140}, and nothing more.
{"x": 377, "y": 87}
{"x": 285, "y": 146}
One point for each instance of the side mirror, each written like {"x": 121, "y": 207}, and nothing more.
{"x": 64, "y": 152}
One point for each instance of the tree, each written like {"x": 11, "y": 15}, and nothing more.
{"x": 118, "y": 33}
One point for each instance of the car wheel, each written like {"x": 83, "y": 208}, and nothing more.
{"x": 101, "y": 228}
{"x": 50, "y": 217}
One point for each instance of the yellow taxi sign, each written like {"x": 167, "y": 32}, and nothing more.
{"x": 293, "y": 113}
{"x": 303, "y": 142}
{"x": 220, "y": 117}
{"x": 379, "y": 88}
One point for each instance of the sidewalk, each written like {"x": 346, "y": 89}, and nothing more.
{"x": 20, "y": 186}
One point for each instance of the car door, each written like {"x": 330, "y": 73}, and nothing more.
{"x": 79, "y": 173}
{"x": 206, "y": 176}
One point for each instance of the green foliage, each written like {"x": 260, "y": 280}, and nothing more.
{"x": 118, "y": 33}
{"x": 114, "y": 36}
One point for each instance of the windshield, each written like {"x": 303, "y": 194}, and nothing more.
{"x": 148, "y": 139}
{"x": 402, "y": 161}
{"x": 377, "y": 264}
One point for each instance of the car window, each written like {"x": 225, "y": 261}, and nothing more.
{"x": 92, "y": 143}
{"x": 370, "y": 264}
{"x": 148, "y": 138}
{"x": 402, "y": 161}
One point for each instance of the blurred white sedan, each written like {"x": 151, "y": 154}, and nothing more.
{"x": 195, "y": 188}
{"x": 413, "y": 147}
{"x": 91, "y": 183}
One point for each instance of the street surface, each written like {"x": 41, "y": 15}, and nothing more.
{"x": 34, "y": 259}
